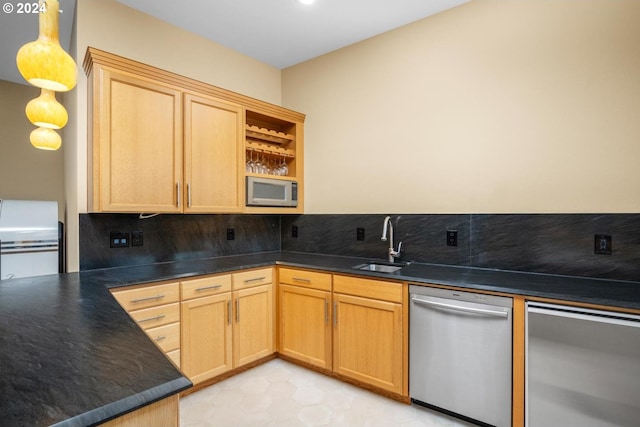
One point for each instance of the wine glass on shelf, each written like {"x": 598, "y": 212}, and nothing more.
{"x": 250, "y": 166}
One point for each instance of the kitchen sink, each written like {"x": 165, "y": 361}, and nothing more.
{"x": 378, "y": 267}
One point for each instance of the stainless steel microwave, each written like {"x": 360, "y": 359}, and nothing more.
{"x": 271, "y": 192}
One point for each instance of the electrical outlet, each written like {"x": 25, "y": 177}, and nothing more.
{"x": 294, "y": 231}
{"x": 118, "y": 239}
{"x": 602, "y": 244}
{"x": 452, "y": 238}
{"x": 360, "y": 234}
{"x": 231, "y": 234}
{"x": 136, "y": 238}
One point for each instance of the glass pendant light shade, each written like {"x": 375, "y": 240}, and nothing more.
{"x": 45, "y": 111}
{"x": 45, "y": 139}
{"x": 43, "y": 62}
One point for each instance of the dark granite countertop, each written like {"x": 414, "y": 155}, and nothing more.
{"x": 71, "y": 356}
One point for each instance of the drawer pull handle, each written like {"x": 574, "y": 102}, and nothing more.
{"x": 300, "y": 279}
{"x": 149, "y": 319}
{"x": 229, "y": 312}
{"x": 204, "y": 288}
{"x": 237, "y": 310}
{"x": 160, "y": 338}
{"x": 148, "y": 298}
{"x": 254, "y": 279}
{"x": 335, "y": 314}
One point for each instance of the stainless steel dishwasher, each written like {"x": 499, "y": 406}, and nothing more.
{"x": 460, "y": 354}
{"x": 583, "y": 367}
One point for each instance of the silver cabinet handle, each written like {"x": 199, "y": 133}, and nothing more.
{"x": 335, "y": 313}
{"x": 481, "y": 311}
{"x": 229, "y": 312}
{"x": 204, "y": 288}
{"x": 326, "y": 312}
{"x": 149, "y": 319}
{"x": 300, "y": 279}
{"x": 237, "y": 310}
{"x": 189, "y": 195}
{"x": 178, "y": 194}
{"x": 255, "y": 279}
{"x": 160, "y": 338}
{"x": 159, "y": 296}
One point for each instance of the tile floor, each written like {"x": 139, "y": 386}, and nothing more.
{"x": 280, "y": 394}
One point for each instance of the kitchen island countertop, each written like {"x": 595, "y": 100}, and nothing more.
{"x": 71, "y": 356}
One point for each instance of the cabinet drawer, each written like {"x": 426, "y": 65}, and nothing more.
{"x": 206, "y": 286}
{"x": 149, "y": 296}
{"x": 174, "y": 355}
{"x": 157, "y": 316}
{"x": 305, "y": 278}
{"x": 368, "y": 288}
{"x": 252, "y": 278}
{"x": 167, "y": 337}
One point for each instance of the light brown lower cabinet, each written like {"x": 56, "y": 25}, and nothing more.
{"x": 369, "y": 332}
{"x": 224, "y": 328}
{"x": 156, "y": 309}
{"x": 206, "y": 332}
{"x": 305, "y": 325}
{"x": 354, "y": 326}
{"x": 163, "y": 413}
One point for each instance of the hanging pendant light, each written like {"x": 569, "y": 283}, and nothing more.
{"x": 45, "y": 139}
{"x": 45, "y": 111}
{"x": 43, "y": 62}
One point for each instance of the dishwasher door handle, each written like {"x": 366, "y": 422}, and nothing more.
{"x": 482, "y": 311}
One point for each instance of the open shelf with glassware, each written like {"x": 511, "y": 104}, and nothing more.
{"x": 273, "y": 149}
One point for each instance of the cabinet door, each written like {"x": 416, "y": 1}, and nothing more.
{"x": 367, "y": 341}
{"x": 213, "y": 150}
{"x": 206, "y": 337}
{"x": 305, "y": 331}
{"x": 137, "y": 150}
{"x": 253, "y": 325}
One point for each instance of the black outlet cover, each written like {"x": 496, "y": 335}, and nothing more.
{"x": 137, "y": 238}
{"x": 231, "y": 234}
{"x": 294, "y": 231}
{"x": 602, "y": 244}
{"x": 452, "y": 238}
{"x": 360, "y": 233}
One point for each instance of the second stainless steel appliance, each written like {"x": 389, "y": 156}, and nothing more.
{"x": 583, "y": 367}
{"x": 460, "y": 352}
{"x": 271, "y": 192}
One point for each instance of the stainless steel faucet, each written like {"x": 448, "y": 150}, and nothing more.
{"x": 393, "y": 254}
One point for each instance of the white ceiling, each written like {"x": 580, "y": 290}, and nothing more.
{"x": 278, "y": 32}
{"x": 284, "y": 32}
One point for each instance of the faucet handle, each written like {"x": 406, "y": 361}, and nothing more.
{"x": 395, "y": 253}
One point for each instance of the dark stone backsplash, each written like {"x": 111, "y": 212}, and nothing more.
{"x": 542, "y": 243}
{"x": 174, "y": 238}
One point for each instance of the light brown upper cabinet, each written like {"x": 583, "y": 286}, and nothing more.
{"x": 165, "y": 143}
{"x": 213, "y": 152}
{"x": 137, "y": 144}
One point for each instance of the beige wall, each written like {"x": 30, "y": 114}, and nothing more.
{"x": 495, "y": 106}
{"x": 113, "y": 27}
{"x": 26, "y": 173}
